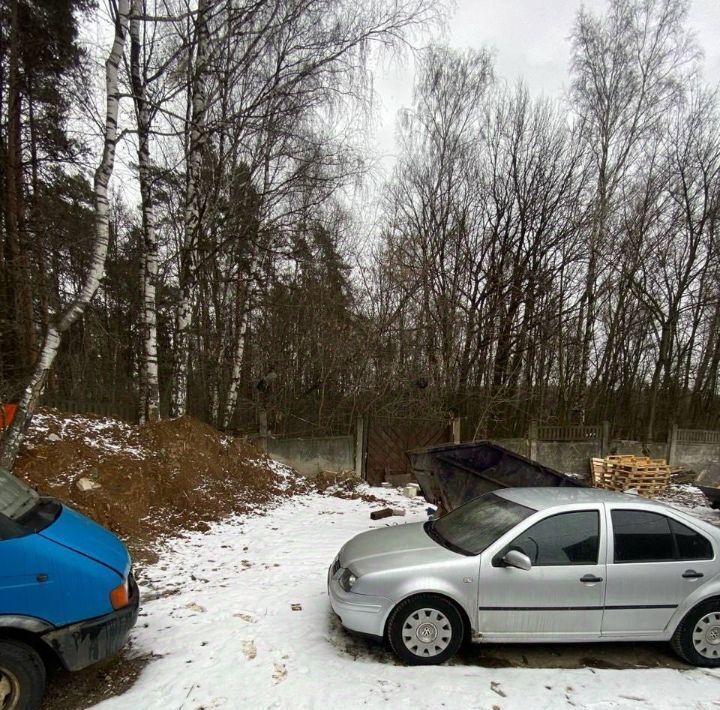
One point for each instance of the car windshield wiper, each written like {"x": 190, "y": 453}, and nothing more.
{"x": 433, "y": 534}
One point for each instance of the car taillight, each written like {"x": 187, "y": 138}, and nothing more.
{"x": 120, "y": 596}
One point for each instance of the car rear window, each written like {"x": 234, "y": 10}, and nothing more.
{"x": 690, "y": 545}
{"x": 643, "y": 536}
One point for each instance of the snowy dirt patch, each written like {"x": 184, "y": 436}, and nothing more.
{"x": 238, "y": 617}
{"x": 109, "y": 436}
{"x": 690, "y": 499}
{"x": 148, "y": 482}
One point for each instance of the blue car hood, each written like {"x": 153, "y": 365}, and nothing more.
{"x": 78, "y": 533}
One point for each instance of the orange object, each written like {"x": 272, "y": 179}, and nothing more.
{"x": 120, "y": 596}
{"x": 7, "y": 413}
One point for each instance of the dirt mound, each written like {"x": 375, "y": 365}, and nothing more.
{"x": 152, "y": 480}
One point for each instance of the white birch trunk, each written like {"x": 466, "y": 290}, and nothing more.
{"x": 31, "y": 395}
{"x": 193, "y": 201}
{"x": 215, "y": 386}
{"x": 244, "y": 306}
{"x": 150, "y": 394}
{"x": 142, "y": 387}
{"x": 238, "y": 354}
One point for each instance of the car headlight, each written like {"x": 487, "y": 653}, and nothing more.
{"x": 347, "y": 579}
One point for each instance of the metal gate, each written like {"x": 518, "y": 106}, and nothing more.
{"x": 389, "y": 439}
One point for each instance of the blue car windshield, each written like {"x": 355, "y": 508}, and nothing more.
{"x": 16, "y": 498}
{"x": 478, "y": 523}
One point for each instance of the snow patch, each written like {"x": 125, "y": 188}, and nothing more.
{"x": 218, "y": 615}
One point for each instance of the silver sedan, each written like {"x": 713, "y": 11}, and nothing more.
{"x": 535, "y": 564}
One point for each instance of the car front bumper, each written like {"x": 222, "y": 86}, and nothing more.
{"x": 81, "y": 644}
{"x": 362, "y": 613}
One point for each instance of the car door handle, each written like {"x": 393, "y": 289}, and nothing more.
{"x": 589, "y": 578}
{"x": 692, "y": 574}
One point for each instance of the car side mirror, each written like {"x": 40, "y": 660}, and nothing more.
{"x": 517, "y": 559}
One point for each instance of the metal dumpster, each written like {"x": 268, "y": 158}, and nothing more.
{"x": 708, "y": 481}
{"x": 453, "y": 474}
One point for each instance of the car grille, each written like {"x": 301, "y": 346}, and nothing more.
{"x": 335, "y": 566}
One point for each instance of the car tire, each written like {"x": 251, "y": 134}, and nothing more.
{"x": 22, "y": 676}
{"x": 426, "y": 629}
{"x": 697, "y": 638}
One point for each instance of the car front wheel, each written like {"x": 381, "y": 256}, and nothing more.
{"x": 425, "y": 630}
{"x": 697, "y": 638}
{"x": 22, "y": 676}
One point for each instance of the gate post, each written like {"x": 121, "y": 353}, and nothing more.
{"x": 672, "y": 444}
{"x": 456, "y": 430}
{"x": 533, "y": 439}
{"x": 360, "y": 440}
{"x": 605, "y": 442}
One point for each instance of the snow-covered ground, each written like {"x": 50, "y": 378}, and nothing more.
{"x": 238, "y": 617}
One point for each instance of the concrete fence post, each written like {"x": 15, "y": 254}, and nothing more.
{"x": 605, "y": 442}
{"x": 533, "y": 439}
{"x": 672, "y": 445}
{"x": 263, "y": 427}
{"x": 456, "y": 430}
{"x": 360, "y": 447}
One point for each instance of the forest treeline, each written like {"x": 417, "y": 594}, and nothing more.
{"x": 535, "y": 258}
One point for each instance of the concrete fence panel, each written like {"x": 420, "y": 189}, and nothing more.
{"x": 313, "y": 455}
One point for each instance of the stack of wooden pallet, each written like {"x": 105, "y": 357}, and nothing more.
{"x": 623, "y": 473}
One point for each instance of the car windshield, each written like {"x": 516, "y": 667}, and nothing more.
{"x": 16, "y": 498}
{"x": 478, "y": 523}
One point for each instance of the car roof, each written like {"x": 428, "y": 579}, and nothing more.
{"x": 541, "y": 498}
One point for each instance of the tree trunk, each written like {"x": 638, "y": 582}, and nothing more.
{"x": 243, "y": 306}
{"x": 51, "y": 343}
{"x": 192, "y": 217}
{"x": 150, "y": 395}
{"x": 15, "y": 210}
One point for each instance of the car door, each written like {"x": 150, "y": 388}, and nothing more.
{"x": 562, "y": 594}
{"x": 654, "y": 562}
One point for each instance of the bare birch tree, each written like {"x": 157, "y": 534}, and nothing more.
{"x": 629, "y": 68}
{"x": 197, "y": 139}
{"x": 149, "y": 395}
{"x": 13, "y": 438}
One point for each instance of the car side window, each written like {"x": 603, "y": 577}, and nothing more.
{"x": 642, "y": 536}
{"x": 690, "y": 545}
{"x": 563, "y": 539}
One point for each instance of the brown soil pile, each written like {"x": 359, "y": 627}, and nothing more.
{"x": 153, "y": 480}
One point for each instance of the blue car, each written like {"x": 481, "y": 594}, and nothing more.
{"x": 67, "y": 594}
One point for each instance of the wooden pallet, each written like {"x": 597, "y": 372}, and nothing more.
{"x": 646, "y": 479}
{"x": 623, "y": 473}
{"x": 601, "y": 473}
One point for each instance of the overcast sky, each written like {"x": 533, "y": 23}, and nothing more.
{"x": 530, "y": 39}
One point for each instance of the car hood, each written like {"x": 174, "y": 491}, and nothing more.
{"x": 394, "y": 547}
{"x": 78, "y": 533}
